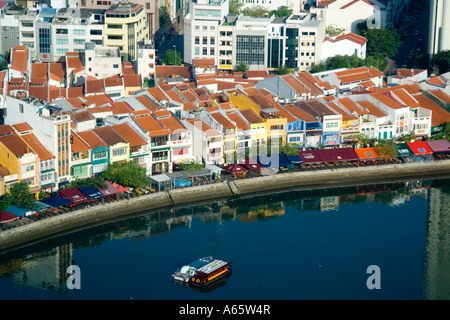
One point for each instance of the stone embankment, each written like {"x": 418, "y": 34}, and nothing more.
{"x": 239, "y": 187}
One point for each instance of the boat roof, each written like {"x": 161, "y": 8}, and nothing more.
{"x": 214, "y": 265}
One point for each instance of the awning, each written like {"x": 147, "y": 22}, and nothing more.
{"x": 119, "y": 187}
{"x": 251, "y": 164}
{"x": 19, "y": 211}
{"x": 420, "y": 148}
{"x": 439, "y": 146}
{"x": 338, "y": 155}
{"x": 41, "y": 205}
{"x": 282, "y": 161}
{"x": 328, "y": 155}
{"x": 235, "y": 168}
{"x": 366, "y": 154}
{"x": 73, "y": 194}
{"x": 56, "y": 201}
{"x": 158, "y": 178}
{"x": 403, "y": 150}
{"x": 182, "y": 183}
{"x": 7, "y": 216}
{"x": 293, "y": 159}
{"x": 213, "y": 168}
{"x": 110, "y": 190}
{"x": 310, "y": 156}
{"x": 91, "y": 192}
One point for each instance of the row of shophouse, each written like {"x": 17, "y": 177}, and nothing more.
{"x": 49, "y": 143}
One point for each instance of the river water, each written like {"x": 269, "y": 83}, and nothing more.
{"x": 386, "y": 241}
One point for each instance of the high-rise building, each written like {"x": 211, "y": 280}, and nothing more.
{"x": 125, "y": 27}
{"x": 200, "y": 28}
{"x": 439, "y": 37}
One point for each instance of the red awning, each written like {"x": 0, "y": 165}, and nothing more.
{"x": 420, "y": 148}
{"x": 6, "y": 216}
{"x": 119, "y": 187}
{"x": 73, "y": 194}
{"x": 235, "y": 168}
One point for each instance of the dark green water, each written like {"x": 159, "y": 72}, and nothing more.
{"x": 290, "y": 245}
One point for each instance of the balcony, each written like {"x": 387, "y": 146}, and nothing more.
{"x": 347, "y": 130}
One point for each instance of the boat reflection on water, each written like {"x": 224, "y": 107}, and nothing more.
{"x": 209, "y": 287}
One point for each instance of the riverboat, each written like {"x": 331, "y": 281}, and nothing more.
{"x": 211, "y": 272}
{"x": 184, "y": 273}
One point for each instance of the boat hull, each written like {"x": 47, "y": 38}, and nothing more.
{"x": 204, "y": 282}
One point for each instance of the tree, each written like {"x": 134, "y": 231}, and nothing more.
{"x": 242, "y": 67}
{"x": 283, "y": 70}
{"x": 290, "y": 149}
{"x": 190, "y": 166}
{"x": 282, "y": 11}
{"x": 21, "y": 196}
{"x": 332, "y": 30}
{"x": 386, "y": 148}
{"x": 5, "y": 61}
{"x": 235, "y": 6}
{"x": 382, "y": 43}
{"x": 172, "y": 58}
{"x": 128, "y": 174}
{"x": 255, "y": 11}
{"x": 442, "y": 61}
{"x": 95, "y": 181}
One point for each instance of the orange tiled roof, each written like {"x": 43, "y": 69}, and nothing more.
{"x": 295, "y": 84}
{"x": 374, "y": 110}
{"x": 169, "y": 121}
{"x": 40, "y": 149}
{"x": 129, "y": 134}
{"x": 439, "y": 116}
{"x": 78, "y": 144}
{"x": 19, "y": 59}
{"x": 152, "y": 126}
{"x": 439, "y": 94}
{"x": 92, "y": 139}
{"x": 349, "y": 36}
{"x": 240, "y": 123}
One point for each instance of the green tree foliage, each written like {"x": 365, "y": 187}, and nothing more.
{"x": 5, "y": 61}
{"x": 442, "y": 61}
{"x": 346, "y": 61}
{"x": 96, "y": 181}
{"x": 382, "y": 43}
{"x": 282, "y": 11}
{"x": 21, "y": 196}
{"x": 172, "y": 58}
{"x": 128, "y": 174}
{"x": 242, "y": 67}
{"x": 386, "y": 148}
{"x": 235, "y": 6}
{"x": 5, "y": 202}
{"x": 283, "y": 70}
{"x": 290, "y": 149}
{"x": 333, "y": 30}
{"x": 255, "y": 11}
{"x": 190, "y": 166}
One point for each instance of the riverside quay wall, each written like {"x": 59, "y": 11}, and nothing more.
{"x": 240, "y": 187}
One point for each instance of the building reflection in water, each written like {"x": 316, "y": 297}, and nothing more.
{"x": 437, "y": 265}
{"x": 46, "y": 269}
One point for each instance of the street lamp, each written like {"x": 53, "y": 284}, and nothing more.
{"x": 175, "y": 54}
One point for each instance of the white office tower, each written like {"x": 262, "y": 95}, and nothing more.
{"x": 200, "y": 28}
{"x": 58, "y": 4}
{"x": 439, "y": 39}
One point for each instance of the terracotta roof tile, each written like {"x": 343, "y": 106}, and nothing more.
{"x": 108, "y": 135}
{"x": 439, "y": 116}
{"x": 92, "y": 139}
{"x": 78, "y": 144}
{"x": 129, "y": 134}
